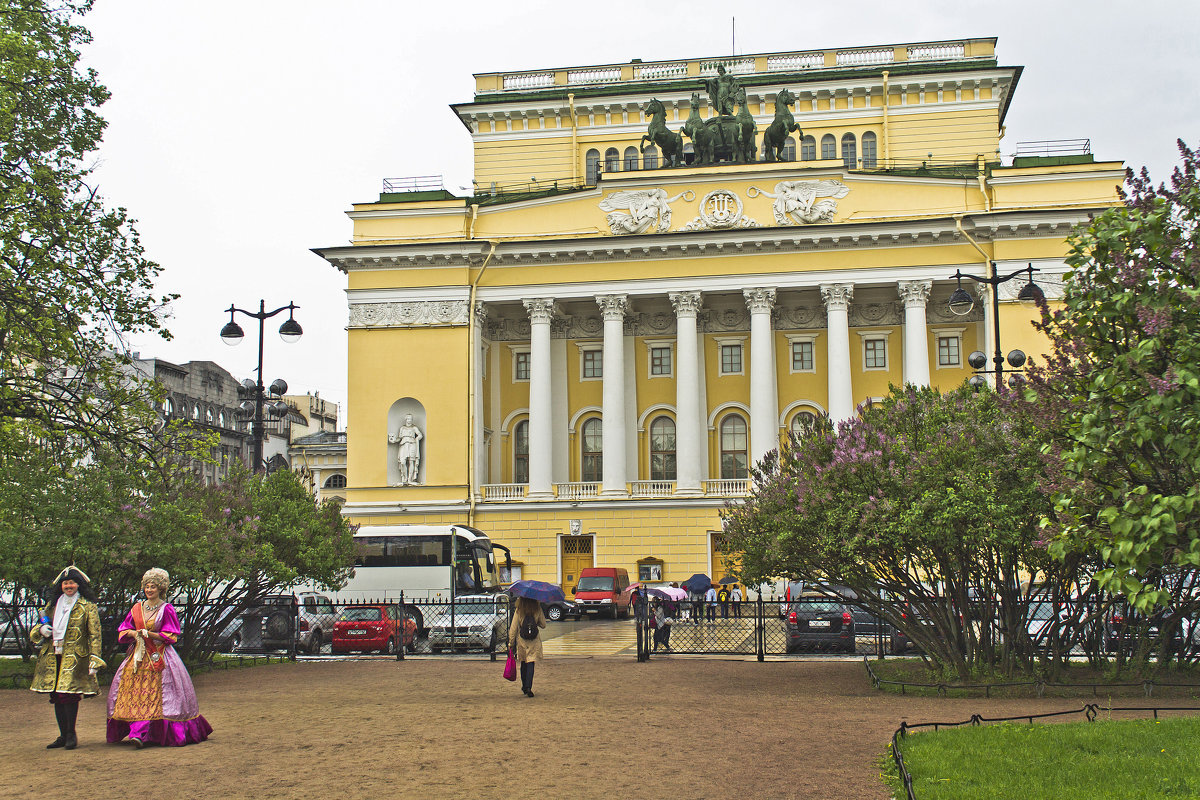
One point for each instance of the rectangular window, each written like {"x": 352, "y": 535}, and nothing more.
{"x": 802, "y": 356}
{"x": 521, "y": 366}
{"x": 731, "y": 359}
{"x": 660, "y": 361}
{"x": 948, "y": 352}
{"x": 593, "y": 364}
{"x": 875, "y": 353}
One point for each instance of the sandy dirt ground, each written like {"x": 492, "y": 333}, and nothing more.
{"x": 429, "y": 728}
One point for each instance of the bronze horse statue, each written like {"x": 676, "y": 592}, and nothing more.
{"x": 775, "y": 136}
{"x": 748, "y": 129}
{"x": 669, "y": 142}
{"x": 715, "y": 139}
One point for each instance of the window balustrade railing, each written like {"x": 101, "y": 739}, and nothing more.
{"x": 937, "y": 52}
{"x": 727, "y": 487}
{"x": 529, "y": 80}
{"x": 734, "y": 66}
{"x": 594, "y": 75}
{"x": 648, "y": 72}
{"x": 576, "y": 491}
{"x": 652, "y": 488}
{"x": 504, "y": 491}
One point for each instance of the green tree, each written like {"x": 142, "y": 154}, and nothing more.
{"x": 1121, "y": 394}
{"x": 926, "y": 499}
{"x": 74, "y": 281}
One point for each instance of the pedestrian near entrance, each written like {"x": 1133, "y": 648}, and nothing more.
{"x": 710, "y": 604}
{"x": 662, "y": 626}
{"x": 68, "y": 641}
{"x": 736, "y": 596}
{"x": 723, "y": 599}
{"x": 525, "y": 639}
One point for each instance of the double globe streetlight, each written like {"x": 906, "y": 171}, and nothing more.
{"x": 961, "y": 304}
{"x": 232, "y": 334}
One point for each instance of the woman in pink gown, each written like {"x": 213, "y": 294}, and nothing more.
{"x": 151, "y": 699}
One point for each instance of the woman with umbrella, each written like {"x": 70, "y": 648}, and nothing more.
{"x": 524, "y": 632}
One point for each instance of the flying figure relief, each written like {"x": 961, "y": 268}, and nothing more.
{"x": 640, "y": 211}
{"x": 804, "y": 202}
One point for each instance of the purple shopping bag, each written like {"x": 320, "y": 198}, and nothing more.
{"x": 510, "y": 667}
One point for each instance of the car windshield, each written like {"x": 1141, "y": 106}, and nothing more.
{"x": 818, "y": 606}
{"x": 595, "y": 583}
{"x": 360, "y": 614}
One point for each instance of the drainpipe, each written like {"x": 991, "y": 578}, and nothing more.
{"x": 983, "y": 184}
{"x": 886, "y": 149}
{"x": 574, "y": 141}
{"x": 471, "y": 220}
{"x": 472, "y": 369}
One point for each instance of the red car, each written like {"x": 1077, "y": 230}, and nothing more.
{"x": 381, "y": 627}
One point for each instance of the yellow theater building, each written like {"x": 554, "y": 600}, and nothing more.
{"x": 583, "y": 357}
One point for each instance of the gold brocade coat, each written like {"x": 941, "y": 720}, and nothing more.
{"x": 81, "y": 652}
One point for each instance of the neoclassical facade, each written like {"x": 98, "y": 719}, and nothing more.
{"x": 596, "y": 356}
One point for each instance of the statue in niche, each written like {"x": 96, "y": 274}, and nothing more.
{"x": 640, "y": 211}
{"x": 408, "y": 451}
{"x": 803, "y": 202}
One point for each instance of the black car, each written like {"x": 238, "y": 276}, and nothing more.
{"x": 558, "y": 610}
{"x": 871, "y": 628}
{"x": 818, "y": 623}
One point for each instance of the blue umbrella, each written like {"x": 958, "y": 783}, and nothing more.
{"x": 538, "y": 590}
{"x": 698, "y": 583}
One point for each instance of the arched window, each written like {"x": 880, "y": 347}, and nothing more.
{"x": 662, "y": 449}
{"x": 169, "y": 406}
{"x": 802, "y": 422}
{"x": 221, "y": 419}
{"x": 631, "y": 159}
{"x": 208, "y": 416}
{"x": 592, "y": 160}
{"x": 336, "y": 482}
{"x": 521, "y": 452}
{"x": 789, "y": 149}
{"x": 592, "y": 451}
{"x": 196, "y": 412}
{"x": 650, "y": 158}
{"x": 849, "y": 151}
{"x": 828, "y": 146}
{"x": 734, "y": 458}
{"x": 868, "y": 150}
{"x": 808, "y": 149}
{"x": 612, "y": 160}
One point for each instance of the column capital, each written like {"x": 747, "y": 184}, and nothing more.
{"x": 612, "y": 306}
{"x": 760, "y": 300}
{"x": 914, "y": 293}
{"x": 541, "y": 309}
{"x": 685, "y": 303}
{"x": 481, "y": 313}
{"x": 837, "y": 295}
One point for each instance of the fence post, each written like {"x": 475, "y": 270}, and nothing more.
{"x": 403, "y": 628}
{"x": 295, "y": 628}
{"x": 760, "y": 635}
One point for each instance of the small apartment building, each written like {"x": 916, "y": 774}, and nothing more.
{"x": 584, "y": 357}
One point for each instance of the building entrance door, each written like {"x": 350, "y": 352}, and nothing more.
{"x": 722, "y": 563}
{"x": 576, "y": 556}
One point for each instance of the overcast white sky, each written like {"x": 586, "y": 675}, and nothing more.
{"x": 240, "y": 132}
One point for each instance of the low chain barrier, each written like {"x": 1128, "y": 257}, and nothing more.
{"x": 1147, "y": 685}
{"x": 1090, "y": 712}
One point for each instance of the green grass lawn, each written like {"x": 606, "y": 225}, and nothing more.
{"x": 1121, "y": 760}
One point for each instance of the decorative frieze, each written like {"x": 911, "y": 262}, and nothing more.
{"x": 720, "y": 209}
{"x": 428, "y": 314}
{"x": 886, "y": 313}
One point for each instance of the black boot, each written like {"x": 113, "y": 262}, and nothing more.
{"x": 70, "y": 712}
{"x": 61, "y": 741}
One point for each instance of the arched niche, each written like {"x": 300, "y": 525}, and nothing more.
{"x": 404, "y": 407}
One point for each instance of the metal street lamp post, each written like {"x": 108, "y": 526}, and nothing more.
{"x": 961, "y": 303}
{"x": 232, "y": 334}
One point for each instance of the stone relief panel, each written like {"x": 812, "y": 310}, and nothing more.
{"x": 887, "y": 313}
{"x": 641, "y": 211}
{"x": 788, "y": 317}
{"x": 803, "y": 202}
{"x": 719, "y": 210}
{"x": 437, "y": 313}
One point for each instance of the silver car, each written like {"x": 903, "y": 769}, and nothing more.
{"x": 479, "y": 622}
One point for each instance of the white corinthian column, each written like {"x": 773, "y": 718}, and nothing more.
{"x": 687, "y": 395}
{"x": 764, "y": 398}
{"x": 915, "y": 295}
{"x": 837, "y": 309}
{"x": 541, "y": 310}
{"x": 612, "y": 308}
